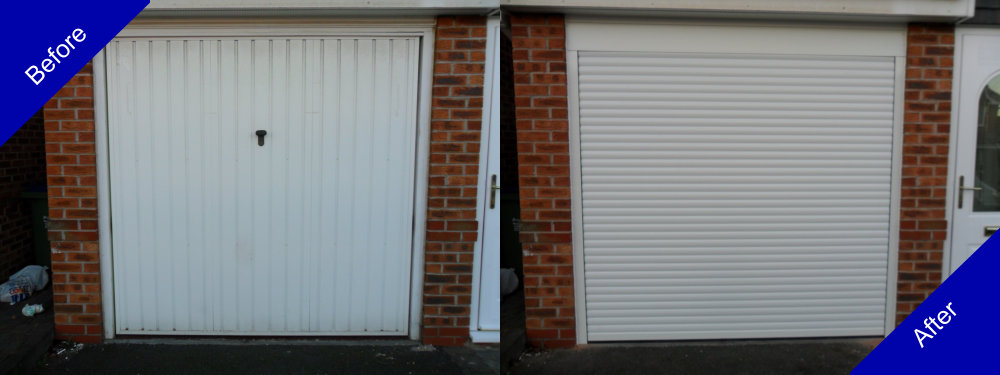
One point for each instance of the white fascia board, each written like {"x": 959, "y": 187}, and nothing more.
{"x": 320, "y": 4}
{"x": 904, "y": 9}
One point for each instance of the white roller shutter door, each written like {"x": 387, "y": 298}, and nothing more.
{"x": 735, "y": 196}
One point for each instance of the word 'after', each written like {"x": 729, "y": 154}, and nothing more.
{"x": 943, "y": 317}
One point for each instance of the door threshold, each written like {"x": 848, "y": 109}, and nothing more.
{"x": 238, "y": 341}
{"x": 485, "y": 337}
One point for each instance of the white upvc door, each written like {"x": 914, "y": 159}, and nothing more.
{"x": 487, "y": 326}
{"x": 976, "y": 177}
{"x": 304, "y": 230}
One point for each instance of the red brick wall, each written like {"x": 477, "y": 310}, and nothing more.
{"x": 22, "y": 163}
{"x": 927, "y": 123}
{"x": 543, "y": 166}
{"x": 452, "y": 226}
{"x": 72, "y": 181}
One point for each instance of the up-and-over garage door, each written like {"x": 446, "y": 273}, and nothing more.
{"x": 304, "y": 229}
{"x": 735, "y": 195}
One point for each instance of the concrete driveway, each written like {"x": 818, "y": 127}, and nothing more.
{"x": 726, "y": 357}
{"x": 275, "y": 357}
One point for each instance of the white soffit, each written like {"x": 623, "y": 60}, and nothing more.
{"x": 692, "y": 36}
{"x": 315, "y": 8}
{"x": 913, "y": 9}
{"x": 292, "y": 4}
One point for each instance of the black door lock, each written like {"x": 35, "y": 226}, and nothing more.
{"x": 260, "y": 137}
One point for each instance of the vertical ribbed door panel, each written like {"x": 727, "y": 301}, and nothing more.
{"x": 309, "y": 233}
{"x": 735, "y": 196}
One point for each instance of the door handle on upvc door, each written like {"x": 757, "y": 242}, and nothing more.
{"x": 493, "y": 191}
{"x": 962, "y": 188}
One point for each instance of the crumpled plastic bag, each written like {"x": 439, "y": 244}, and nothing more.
{"x": 22, "y": 284}
{"x": 508, "y": 281}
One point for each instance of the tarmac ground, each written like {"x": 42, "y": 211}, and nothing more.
{"x": 829, "y": 356}
{"x": 150, "y": 357}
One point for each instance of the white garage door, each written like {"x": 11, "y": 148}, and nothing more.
{"x": 735, "y": 195}
{"x": 306, "y": 230}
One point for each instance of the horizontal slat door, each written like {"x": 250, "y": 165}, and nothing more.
{"x": 735, "y": 196}
{"x": 308, "y": 234}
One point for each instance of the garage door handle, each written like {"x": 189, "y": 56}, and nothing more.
{"x": 493, "y": 191}
{"x": 260, "y": 137}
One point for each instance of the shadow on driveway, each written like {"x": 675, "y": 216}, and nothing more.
{"x": 730, "y": 357}
{"x": 278, "y": 358}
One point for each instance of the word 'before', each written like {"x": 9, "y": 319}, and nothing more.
{"x": 61, "y": 51}
{"x": 943, "y": 317}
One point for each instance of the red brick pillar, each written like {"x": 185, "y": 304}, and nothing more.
{"x": 452, "y": 226}
{"x": 927, "y": 123}
{"x": 543, "y": 166}
{"x": 72, "y": 184}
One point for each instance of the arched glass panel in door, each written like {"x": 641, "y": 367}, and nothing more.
{"x": 987, "y": 198}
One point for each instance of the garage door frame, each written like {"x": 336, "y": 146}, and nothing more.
{"x": 418, "y": 27}
{"x": 729, "y": 37}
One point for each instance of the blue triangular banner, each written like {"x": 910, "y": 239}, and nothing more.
{"x": 949, "y": 332}
{"x": 46, "y": 43}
